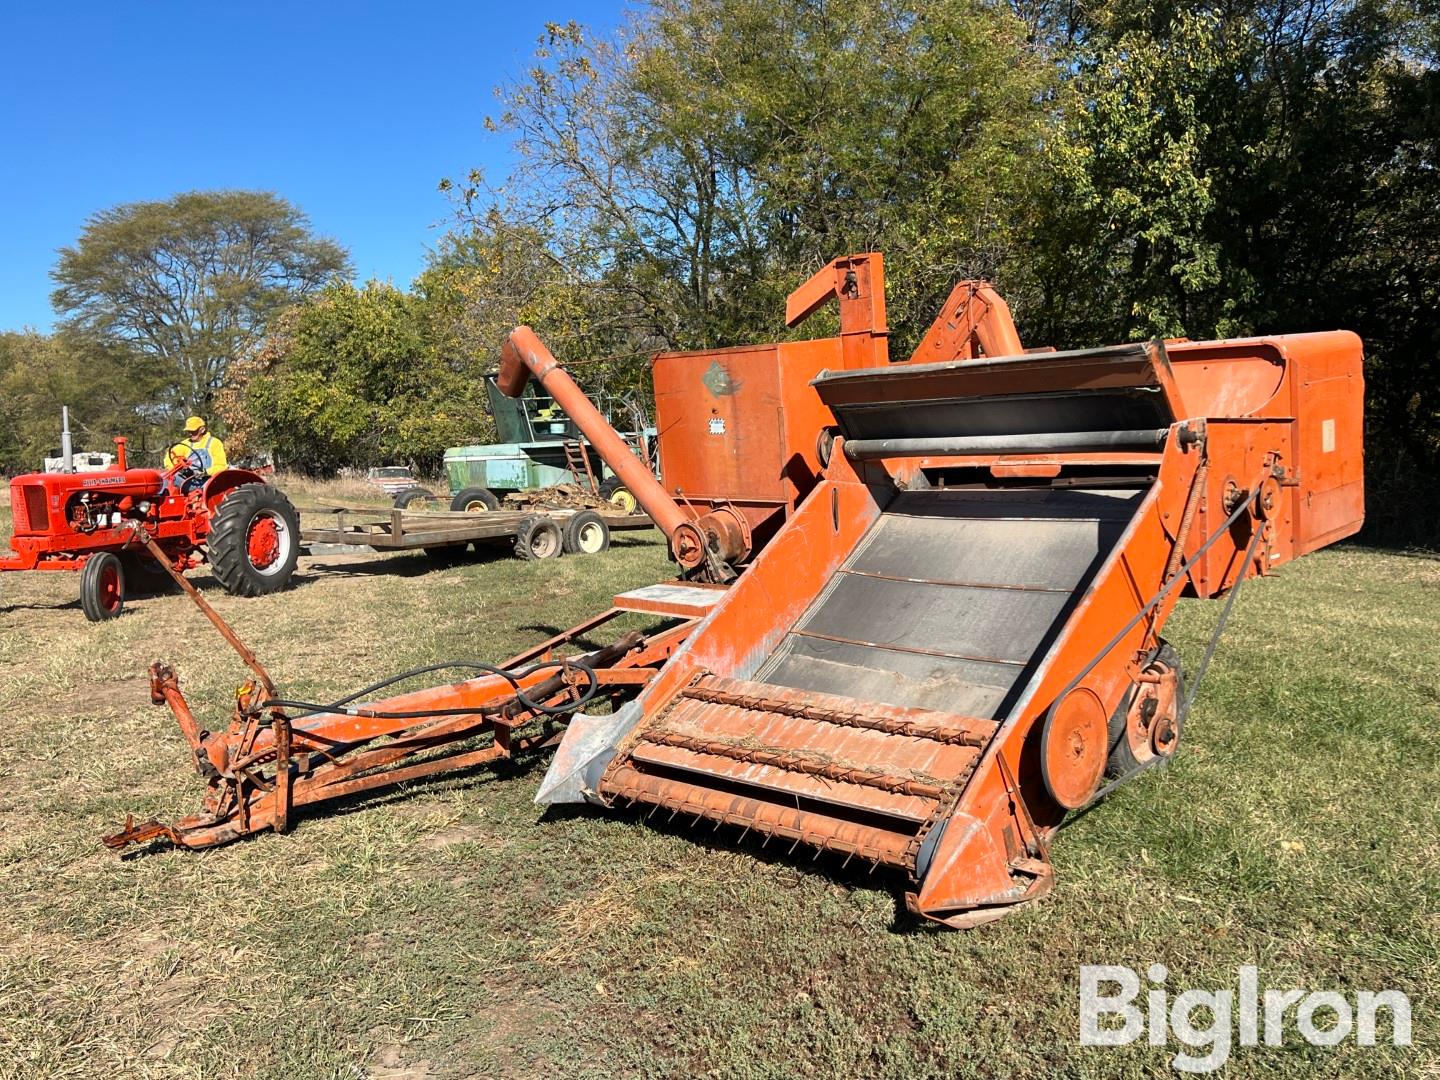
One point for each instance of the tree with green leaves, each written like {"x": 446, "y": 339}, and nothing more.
{"x": 191, "y": 283}
{"x": 355, "y": 376}
{"x": 107, "y": 392}
{"x": 1253, "y": 168}
{"x": 688, "y": 172}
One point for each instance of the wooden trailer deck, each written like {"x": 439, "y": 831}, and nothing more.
{"x": 399, "y": 530}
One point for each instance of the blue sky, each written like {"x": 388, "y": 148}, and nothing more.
{"x": 352, "y": 111}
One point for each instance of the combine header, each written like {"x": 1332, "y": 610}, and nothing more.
{"x": 952, "y": 637}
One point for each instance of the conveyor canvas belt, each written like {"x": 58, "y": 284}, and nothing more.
{"x": 874, "y": 709}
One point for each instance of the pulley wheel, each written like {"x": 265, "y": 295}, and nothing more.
{"x": 1074, "y": 745}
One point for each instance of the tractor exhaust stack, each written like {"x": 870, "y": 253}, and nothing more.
{"x": 67, "y": 445}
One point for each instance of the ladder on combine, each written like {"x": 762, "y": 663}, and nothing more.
{"x": 577, "y": 460}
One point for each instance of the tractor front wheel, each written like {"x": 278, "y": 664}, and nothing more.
{"x": 144, "y": 576}
{"x": 254, "y": 540}
{"x": 102, "y": 587}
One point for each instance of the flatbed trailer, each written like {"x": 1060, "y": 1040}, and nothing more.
{"x": 438, "y": 530}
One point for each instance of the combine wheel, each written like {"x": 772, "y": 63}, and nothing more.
{"x": 1148, "y": 723}
{"x": 254, "y": 540}
{"x": 538, "y": 537}
{"x": 416, "y": 497}
{"x": 586, "y": 534}
{"x": 619, "y": 496}
{"x": 102, "y": 587}
{"x": 475, "y": 500}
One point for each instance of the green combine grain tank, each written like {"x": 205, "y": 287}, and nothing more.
{"x": 533, "y": 453}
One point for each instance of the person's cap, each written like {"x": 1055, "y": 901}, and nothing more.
{"x": 194, "y": 424}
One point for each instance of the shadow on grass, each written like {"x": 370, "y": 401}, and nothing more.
{"x": 644, "y": 540}
{"x": 68, "y": 605}
{"x": 802, "y": 860}
{"x": 417, "y": 564}
{"x": 585, "y": 642}
{"x": 1367, "y": 545}
{"x": 488, "y": 772}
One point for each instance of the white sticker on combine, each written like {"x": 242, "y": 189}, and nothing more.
{"x": 717, "y": 426}
{"x": 1327, "y": 436}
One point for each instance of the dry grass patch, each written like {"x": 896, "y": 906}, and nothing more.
{"x": 454, "y": 929}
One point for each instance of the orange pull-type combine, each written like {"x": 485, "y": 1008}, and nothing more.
{"x": 946, "y": 634}
{"x": 956, "y": 638}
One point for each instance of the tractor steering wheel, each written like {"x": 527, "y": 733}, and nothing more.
{"x": 189, "y": 473}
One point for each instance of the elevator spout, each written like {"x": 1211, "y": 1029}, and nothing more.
{"x": 709, "y": 544}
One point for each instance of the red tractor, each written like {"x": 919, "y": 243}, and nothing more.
{"x": 246, "y": 529}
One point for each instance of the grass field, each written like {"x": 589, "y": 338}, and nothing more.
{"x": 453, "y": 929}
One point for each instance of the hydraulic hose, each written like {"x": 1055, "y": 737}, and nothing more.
{"x": 343, "y": 707}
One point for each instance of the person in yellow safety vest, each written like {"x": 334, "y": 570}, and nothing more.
{"x": 199, "y": 443}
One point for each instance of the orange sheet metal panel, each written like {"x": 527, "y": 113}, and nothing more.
{"x": 740, "y": 424}
{"x": 1316, "y": 383}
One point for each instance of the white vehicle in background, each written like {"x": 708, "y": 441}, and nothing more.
{"x": 83, "y": 461}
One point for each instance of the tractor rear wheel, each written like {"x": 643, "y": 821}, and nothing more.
{"x": 102, "y": 587}
{"x": 254, "y": 540}
{"x": 475, "y": 500}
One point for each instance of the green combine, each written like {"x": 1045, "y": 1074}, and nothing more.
{"x": 541, "y": 448}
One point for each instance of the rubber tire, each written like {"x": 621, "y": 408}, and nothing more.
{"x": 144, "y": 576}
{"x": 577, "y": 524}
{"x": 538, "y": 537}
{"x": 90, "y": 600}
{"x": 229, "y": 531}
{"x": 1122, "y": 760}
{"x": 611, "y": 486}
{"x": 414, "y": 495}
{"x": 462, "y": 501}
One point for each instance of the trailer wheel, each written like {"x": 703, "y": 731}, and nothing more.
{"x": 254, "y": 540}
{"x": 411, "y": 496}
{"x": 586, "y": 534}
{"x": 475, "y": 500}
{"x": 619, "y": 496}
{"x": 538, "y": 537}
{"x": 102, "y": 587}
